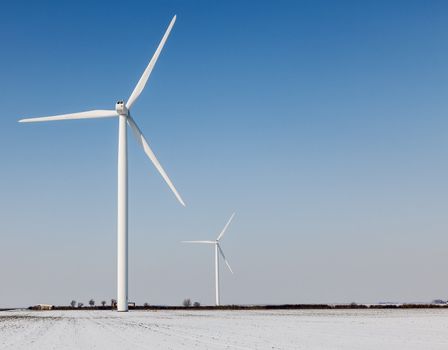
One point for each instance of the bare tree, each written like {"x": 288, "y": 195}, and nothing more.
{"x": 73, "y": 303}
{"x": 80, "y": 305}
{"x": 197, "y": 304}
{"x": 92, "y": 302}
{"x": 146, "y": 304}
{"x": 103, "y": 303}
{"x": 186, "y": 303}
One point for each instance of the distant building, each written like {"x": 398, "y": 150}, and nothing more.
{"x": 42, "y": 307}
{"x": 130, "y": 304}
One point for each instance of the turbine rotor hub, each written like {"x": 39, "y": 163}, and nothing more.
{"x": 121, "y": 109}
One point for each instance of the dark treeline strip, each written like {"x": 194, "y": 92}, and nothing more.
{"x": 262, "y": 307}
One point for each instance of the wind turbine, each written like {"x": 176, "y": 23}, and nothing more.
{"x": 217, "y": 248}
{"x": 122, "y": 111}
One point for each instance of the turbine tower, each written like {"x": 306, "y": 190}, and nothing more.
{"x": 122, "y": 112}
{"x": 217, "y": 248}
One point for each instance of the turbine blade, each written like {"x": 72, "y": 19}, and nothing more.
{"x": 144, "y": 78}
{"x": 225, "y": 260}
{"x": 142, "y": 141}
{"x": 98, "y": 113}
{"x": 225, "y": 227}
{"x": 208, "y": 242}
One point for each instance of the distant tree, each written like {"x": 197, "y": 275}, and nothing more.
{"x": 197, "y": 304}
{"x": 92, "y": 302}
{"x": 73, "y": 303}
{"x": 80, "y": 304}
{"x": 113, "y": 302}
{"x": 186, "y": 303}
{"x": 146, "y": 304}
{"x": 103, "y": 303}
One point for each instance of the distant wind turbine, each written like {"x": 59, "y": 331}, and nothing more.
{"x": 122, "y": 111}
{"x": 217, "y": 248}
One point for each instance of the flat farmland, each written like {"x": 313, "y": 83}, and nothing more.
{"x": 223, "y": 329}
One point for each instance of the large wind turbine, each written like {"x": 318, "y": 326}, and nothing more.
{"x": 122, "y": 111}
{"x": 217, "y": 248}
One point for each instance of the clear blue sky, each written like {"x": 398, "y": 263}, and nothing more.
{"x": 322, "y": 124}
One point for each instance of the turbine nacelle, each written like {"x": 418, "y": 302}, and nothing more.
{"x": 121, "y": 109}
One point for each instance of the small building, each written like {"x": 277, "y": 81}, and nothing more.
{"x": 43, "y": 307}
{"x": 131, "y": 304}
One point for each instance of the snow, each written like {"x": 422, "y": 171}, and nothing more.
{"x": 197, "y": 329}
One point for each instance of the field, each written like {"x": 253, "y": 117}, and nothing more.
{"x": 240, "y": 329}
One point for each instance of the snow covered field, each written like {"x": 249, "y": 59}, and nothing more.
{"x": 286, "y": 329}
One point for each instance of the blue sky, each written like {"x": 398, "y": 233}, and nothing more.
{"x": 322, "y": 124}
